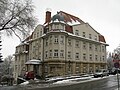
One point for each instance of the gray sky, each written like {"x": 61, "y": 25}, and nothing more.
{"x": 102, "y": 15}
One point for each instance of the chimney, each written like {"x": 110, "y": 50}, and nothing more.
{"x": 48, "y": 17}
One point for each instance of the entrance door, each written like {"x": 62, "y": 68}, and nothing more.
{"x": 36, "y": 69}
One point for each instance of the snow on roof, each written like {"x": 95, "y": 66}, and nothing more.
{"x": 73, "y": 22}
{"x": 33, "y": 61}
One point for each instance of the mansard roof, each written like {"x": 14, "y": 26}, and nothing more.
{"x": 70, "y": 18}
{"x": 67, "y": 18}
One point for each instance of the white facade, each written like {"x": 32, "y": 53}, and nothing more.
{"x": 64, "y": 49}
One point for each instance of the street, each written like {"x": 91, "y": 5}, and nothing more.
{"x": 105, "y": 83}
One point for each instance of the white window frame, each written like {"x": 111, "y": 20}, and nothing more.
{"x": 77, "y": 56}
{"x": 62, "y": 53}
{"x": 55, "y": 53}
{"x": 69, "y": 54}
{"x": 84, "y": 56}
{"x": 84, "y": 34}
{"x": 62, "y": 39}
{"x": 77, "y": 43}
{"x": 69, "y": 42}
{"x": 56, "y": 38}
{"x": 50, "y": 53}
{"x": 77, "y": 32}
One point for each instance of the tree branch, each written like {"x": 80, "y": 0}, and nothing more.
{"x": 16, "y": 34}
{"x": 3, "y": 27}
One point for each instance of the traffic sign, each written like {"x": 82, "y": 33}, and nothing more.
{"x": 116, "y": 65}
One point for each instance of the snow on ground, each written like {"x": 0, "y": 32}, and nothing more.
{"x": 25, "y": 83}
{"x": 72, "y": 80}
{"x": 79, "y": 80}
{"x": 63, "y": 81}
{"x": 117, "y": 89}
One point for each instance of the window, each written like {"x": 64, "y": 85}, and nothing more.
{"x": 84, "y": 56}
{"x": 90, "y": 56}
{"x": 95, "y": 37}
{"x": 41, "y": 33}
{"x": 39, "y": 55}
{"x": 84, "y": 45}
{"x": 50, "y": 39}
{"x": 55, "y": 53}
{"x": 37, "y": 34}
{"x": 77, "y": 43}
{"x": 56, "y": 26}
{"x": 76, "y": 32}
{"x": 77, "y": 56}
{"x": 56, "y": 39}
{"x": 61, "y": 53}
{"x": 46, "y": 42}
{"x": 96, "y": 48}
{"x": 69, "y": 54}
{"x": 100, "y": 58}
{"x": 50, "y": 53}
{"x": 46, "y": 54}
{"x": 90, "y": 46}
{"x": 34, "y": 35}
{"x": 103, "y": 57}
{"x": 84, "y": 34}
{"x": 69, "y": 41}
{"x": 96, "y": 57}
{"x": 62, "y": 39}
{"x": 103, "y": 48}
{"x": 90, "y": 36}
{"x": 33, "y": 49}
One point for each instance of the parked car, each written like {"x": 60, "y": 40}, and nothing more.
{"x": 114, "y": 71}
{"x": 101, "y": 73}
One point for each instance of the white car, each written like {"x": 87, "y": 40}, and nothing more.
{"x": 101, "y": 73}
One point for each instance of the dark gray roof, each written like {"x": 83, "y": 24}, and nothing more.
{"x": 57, "y": 16}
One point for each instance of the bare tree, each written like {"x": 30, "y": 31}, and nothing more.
{"x": 117, "y": 50}
{"x": 6, "y": 66}
{"x": 16, "y": 17}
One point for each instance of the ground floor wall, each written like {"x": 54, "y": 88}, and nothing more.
{"x": 57, "y": 68}
{"x": 69, "y": 68}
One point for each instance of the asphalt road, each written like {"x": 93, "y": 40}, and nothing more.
{"x": 109, "y": 83}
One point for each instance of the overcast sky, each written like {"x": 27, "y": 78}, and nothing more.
{"x": 102, "y": 15}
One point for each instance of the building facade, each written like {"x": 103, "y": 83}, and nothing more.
{"x": 63, "y": 45}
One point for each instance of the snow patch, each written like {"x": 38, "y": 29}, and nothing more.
{"x": 25, "y": 83}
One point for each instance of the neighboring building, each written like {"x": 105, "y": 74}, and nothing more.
{"x": 63, "y": 45}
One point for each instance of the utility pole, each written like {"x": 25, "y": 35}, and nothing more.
{"x": 117, "y": 66}
{"x": 118, "y": 79}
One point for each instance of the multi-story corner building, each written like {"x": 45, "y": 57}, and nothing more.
{"x": 64, "y": 44}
